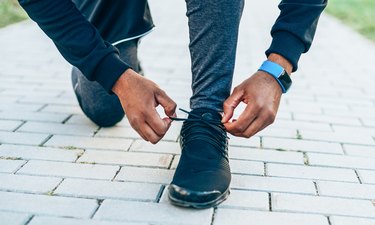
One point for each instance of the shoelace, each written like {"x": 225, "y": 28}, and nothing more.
{"x": 215, "y": 138}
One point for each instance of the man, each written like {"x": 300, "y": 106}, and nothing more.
{"x": 203, "y": 176}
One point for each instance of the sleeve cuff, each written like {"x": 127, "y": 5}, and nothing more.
{"x": 287, "y": 45}
{"x": 109, "y": 70}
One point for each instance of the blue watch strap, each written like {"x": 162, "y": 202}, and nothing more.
{"x": 275, "y": 70}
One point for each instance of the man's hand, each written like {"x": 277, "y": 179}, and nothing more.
{"x": 262, "y": 94}
{"x": 139, "y": 97}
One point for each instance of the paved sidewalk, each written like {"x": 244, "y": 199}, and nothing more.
{"x": 314, "y": 166}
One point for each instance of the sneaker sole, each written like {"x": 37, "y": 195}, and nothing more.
{"x": 196, "y": 205}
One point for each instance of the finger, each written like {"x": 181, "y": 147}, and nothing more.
{"x": 160, "y": 126}
{"x": 167, "y": 103}
{"x": 137, "y": 129}
{"x": 244, "y": 120}
{"x": 150, "y": 134}
{"x": 255, "y": 127}
{"x": 168, "y": 121}
{"x": 230, "y": 104}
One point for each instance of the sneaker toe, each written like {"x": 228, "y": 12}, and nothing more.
{"x": 196, "y": 199}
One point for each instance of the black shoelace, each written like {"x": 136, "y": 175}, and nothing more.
{"x": 218, "y": 138}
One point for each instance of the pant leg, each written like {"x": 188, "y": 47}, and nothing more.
{"x": 213, "y": 29}
{"x": 99, "y": 106}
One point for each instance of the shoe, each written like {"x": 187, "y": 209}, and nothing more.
{"x": 103, "y": 109}
{"x": 203, "y": 174}
{"x": 100, "y": 107}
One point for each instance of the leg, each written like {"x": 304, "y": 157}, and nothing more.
{"x": 213, "y": 28}
{"x": 203, "y": 175}
{"x": 102, "y": 108}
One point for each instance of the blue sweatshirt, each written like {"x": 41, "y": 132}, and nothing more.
{"x": 81, "y": 44}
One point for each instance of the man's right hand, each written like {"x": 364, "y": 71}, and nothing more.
{"x": 139, "y": 98}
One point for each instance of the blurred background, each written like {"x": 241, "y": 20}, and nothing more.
{"x": 359, "y": 14}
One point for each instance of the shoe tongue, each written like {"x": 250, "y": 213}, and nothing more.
{"x": 207, "y": 114}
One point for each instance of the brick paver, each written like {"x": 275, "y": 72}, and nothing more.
{"x": 313, "y": 166}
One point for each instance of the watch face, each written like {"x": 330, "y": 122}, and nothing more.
{"x": 285, "y": 81}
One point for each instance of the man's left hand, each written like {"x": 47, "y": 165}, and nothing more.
{"x": 262, "y": 94}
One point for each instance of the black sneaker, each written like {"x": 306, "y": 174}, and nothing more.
{"x": 203, "y": 175}
{"x": 100, "y": 107}
{"x": 103, "y": 109}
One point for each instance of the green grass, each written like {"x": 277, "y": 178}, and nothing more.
{"x": 10, "y": 12}
{"x": 359, "y": 14}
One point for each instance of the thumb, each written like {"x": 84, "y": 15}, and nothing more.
{"x": 167, "y": 103}
{"x": 230, "y": 104}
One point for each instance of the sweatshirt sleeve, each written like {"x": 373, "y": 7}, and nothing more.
{"x": 294, "y": 29}
{"x": 77, "y": 40}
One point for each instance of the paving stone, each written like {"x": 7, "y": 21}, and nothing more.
{"x": 126, "y": 158}
{"x": 344, "y": 138}
{"x": 10, "y": 218}
{"x": 28, "y": 184}
{"x": 265, "y": 155}
{"x": 160, "y": 147}
{"x": 280, "y": 123}
{"x": 47, "y": 205}
{"x": 41, "y": 153}
{"x": 9, "y": 125}
{"x": 48, "y": 100}
{"x": 33, "y": 93}
{"x": 246, "y": 199}
{"x": 80, "y": 119}
{"x": 42, "y": 220}
{"x": 62, "y": 109}
{"x": 119, "y": 132}
{"x": 10, "y": 166}
{"x": 148, "y": 175}
{"x": 247, "y": 167}
{"x": 342, "y": 161}
{"x": 368, "y": 122}
{"x": 310, "y": 172}
{"x": 89, "y": 142}
{"x": 34, "y": 116}
{"x": 322, "y": 205}
{"x": 173, "y": 132}
{"x": 326, "y": 119}
{"x": 244, "y": 142}
{"x": 339, "y": 220}
{"x": 63, "y": 169}
{"x": 360, "y": 150}
{"x": 57, "y": 128}
{"x": 20, "y": 107}
{"x": 278, "y": 132}
{"x": 108, "y": 190}
{"x": 366, "y": 176}
{"x": 239, "y": 217}
{"x": 301, "y": 145}
{"x": 9, "y": 99}
{"x": 156, "y": 213}
{"x": 357, "y": 130}
{"x": 21, "y": 138}
{"x": 346, "y": 190}
{"x": 272, "y": 184}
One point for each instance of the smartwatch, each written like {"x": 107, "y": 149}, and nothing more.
{"x": 278, "y": 72}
